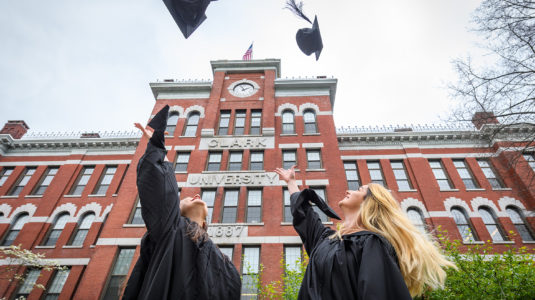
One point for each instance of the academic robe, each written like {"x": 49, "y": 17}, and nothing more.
{"x": 171, "y": 265}
{"x": 362, "y": 265}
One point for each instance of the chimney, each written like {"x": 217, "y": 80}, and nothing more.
{"x": 90, "y": 135}
{"x": 481, "y": 118}
{"x": 16, "y": 128}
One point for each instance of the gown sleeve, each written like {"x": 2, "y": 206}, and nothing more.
{"x": 306, "y": 221}
{"x": 157, "y": 188}
{"x": 379, "y": 274}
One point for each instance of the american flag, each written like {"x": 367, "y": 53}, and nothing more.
{"x": 249, "y": 53}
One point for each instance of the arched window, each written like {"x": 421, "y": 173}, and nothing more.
{"x": 518, "y": 220}
{"x": 56, "y": 230}
{"x": 193, "y": 122}
{"x": 171, "y": 122}
{"x": 416, "y": 218}
{"x": 310, "y": 121}
{"x": 17, "y": 225}
{"x": 465, "y": 228}
{"x": 491, "y": 223}
{"x": 288, "y": 125}
{"x": 82, "y": 229}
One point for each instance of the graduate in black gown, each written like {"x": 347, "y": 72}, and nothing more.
{"x": 178, "y": 260}
{"x": 362, "y": 260}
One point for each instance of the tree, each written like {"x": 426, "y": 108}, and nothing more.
{"x": 16, "y": 257}
{"x": 504, "y": 89}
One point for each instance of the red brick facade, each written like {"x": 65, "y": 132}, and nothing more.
{"x": 92, "y": 263}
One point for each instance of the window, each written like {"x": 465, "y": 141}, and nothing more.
{"x": 12, "y": 233}
{"x": 520, "y": 224}
{"x": 82, "y": 180}
{"x": 82, "y": 229}
{"x": 404, "y": 184}
{"x": 465, "y": 173}
{"x": 239, "y": 122}
{"x": 53, "y": 291}
{"x": 4, "y": 175}
{"x": 45, "y": 181}
{"x": 310, "y": 121}
{"x": 55, "y": 231}
{"x": 250, "y": 267}
{"x": 254, "y": 206}
{"x": 122, "y": 179}
{"x": 118, "y": 274}
{"x": 292, "y": 258}
{"x": 182, "y": 159}
{"x": 490, "y": 174}
{"x": 234, "y": 161}
{"x": 321, "y": 192}
{"x": 530, "y": 159}
{"x": 228, "y": 251}
{"x": 289, "y": 158}
{"x": 491, "y": 223}
{"x": 26, "y": 287}
{"x": 313, "y": 159}
{"x": 442, "y": 178}
{"x": 416, "y": 218}
{"x": 224, "y": 121}
{"x": 288, "y": 126}
{"x": 230, "y": 206}
{"x": 287, "y": 210}
{"x": 208, "y": 196}
{"x": 191, "y": 126}
{"x": 104, "y": 183}
{"x": 256, "y": 122}
{"x": 214, "y": 161}
{"x": 257, "y": 160}
{"x": 136, "y": 216}
{"x": 352, "y": 176}
{"x": 376, "y": 173}
{"x": 171, "y": 123}
{"x": 463, "y": 225}
{"x": 22, "y": 181}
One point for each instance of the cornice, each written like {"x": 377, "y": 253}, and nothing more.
{"x": 247, "y": 66}
{"x": 192, "y": 89}
{"x": 303, "y": 85}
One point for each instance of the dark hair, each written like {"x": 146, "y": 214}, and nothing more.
{"x": 195, "y": 232}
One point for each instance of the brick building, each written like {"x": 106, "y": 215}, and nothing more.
{"x": 74, "y": 198}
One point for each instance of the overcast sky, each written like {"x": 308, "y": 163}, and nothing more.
{"x": 86, "y": 65}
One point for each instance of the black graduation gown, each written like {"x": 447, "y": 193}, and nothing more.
{"x": 363, "y": 265}
{"x": 171, "y": 265}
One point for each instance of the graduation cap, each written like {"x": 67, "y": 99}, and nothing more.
{"x": 308, "y": 39}
{"x": 188, "y": 14}
{"x": 159, "y": 123}
{"x": 320, "y": 203}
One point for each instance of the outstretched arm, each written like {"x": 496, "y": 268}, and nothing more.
{"x": 289, "y": 177}
{"x": 147, "y": 132}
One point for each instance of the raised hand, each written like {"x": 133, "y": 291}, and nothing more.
{"x": 286, "y": 175}
{"x": 145, "y": 130}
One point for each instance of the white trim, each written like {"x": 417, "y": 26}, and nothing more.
{"x": 312, "y": 145}
{"x": 286, "y": 106}
{"x": 91, "y": 207}
{"x": 480, "y": 201}
{"x": 412, "y": 202}
{"x": 440, "y": 214}
{"x": 268, "y": 131}
{"x": 28, "y": 207}
{"x": 106, "y": 211}
{"x": 322, "y": 182}
{"x": 289, "y": 146}
{"x": 223, "y": 240}
{"x": 452, "y": 201}
{"x": 5, "y": 209}
{"x": 68, "y": 207}
{"x": 409, "y": 155}
{"x": 309, "y": 105}
{"x": 37, "y": 220}
{"x": 118, "y": 241}
{"x": 176, "y": 108}
{"x": 197, "y": 108}
{"x": 184, "y": 147}
{"x": 60, "y": 261}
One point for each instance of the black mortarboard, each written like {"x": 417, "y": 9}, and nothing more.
{"x": 188, "y": 14}
{"x": 308, "y": 39}
{"x": 320, "y": 203}
{"x": 159, "y": 123}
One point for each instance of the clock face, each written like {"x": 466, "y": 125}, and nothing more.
{"x": 243, "y": 90}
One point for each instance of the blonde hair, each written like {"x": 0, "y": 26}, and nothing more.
{"x": 420, "y": 259}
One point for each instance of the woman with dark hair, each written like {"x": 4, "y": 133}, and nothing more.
{"x": 376, "y": 253}
{"x": 178, "y": 260}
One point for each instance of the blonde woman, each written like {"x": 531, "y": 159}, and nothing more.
{"x": 376, "y": 253}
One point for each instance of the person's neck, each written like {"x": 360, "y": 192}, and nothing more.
{"x": 197, "y": 219}
{"x": 351, "y": 223}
